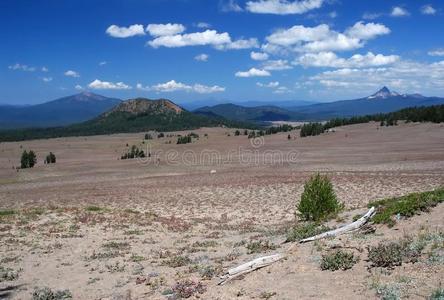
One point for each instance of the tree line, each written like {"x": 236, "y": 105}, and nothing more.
{"x": 434, "y": 114}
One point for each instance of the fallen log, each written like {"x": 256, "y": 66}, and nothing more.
{"x": 270, "y": 259}
{"x": 344, "y": 229}
{"x": 250, "y": 266}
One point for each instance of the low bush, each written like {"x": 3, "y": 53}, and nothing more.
{"x": 188, "y": 288}
{"x": 260, "y": 246}
{"x": 437, "y": 294}
{"x": 302, "y": 231}
{"x": 391, "y": 254}
{"x": 405, "y": 206}
{"x": 338, "y": 260}
{"x": 48, "y": 294}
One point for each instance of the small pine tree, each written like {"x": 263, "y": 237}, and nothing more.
{"x": 237, "y": 133}
{"x": 318, "y": 201}
{"x": 24, "y": 160}
{"x": 289, "y": 137}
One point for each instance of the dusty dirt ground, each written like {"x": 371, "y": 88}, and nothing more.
{"x": 106, "y": 228}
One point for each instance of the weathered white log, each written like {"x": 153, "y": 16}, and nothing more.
{"x": 250, "y": 266}
{"x": 344, "y": 229}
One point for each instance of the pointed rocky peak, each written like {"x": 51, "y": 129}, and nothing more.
{"x": 383, "y": 94}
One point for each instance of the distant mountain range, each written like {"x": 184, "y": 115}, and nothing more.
{"x": 383, "y": 101}
{"x": 87, "y": 109}
{"x": 64, "y": 111}
{"x": 134, "y": 115}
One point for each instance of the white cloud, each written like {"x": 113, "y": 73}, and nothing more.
{"x": 258, "y": 56}
{"x": 282, "y": 7}
{"x": 239, "y": 44}
{"x": 322, "y": 38}
{"x": 399, "y": 11}
{"x": 71, "y": 73}
{"x": 367, "y": 31}
{"x": 47, "y": 79}
{"x": 20, "y": 67}
{"x": 330, "y": 59}
{"x": 105, "y": 85}
{"x": 230, "y": 5}
{"x": 276, "y": 65}
{"x": 203, "y": 25}
{"x": 220, "y": 41}
{"x": 404, "y": 76}
{"x": 208, "y": 37}
{"x": 173, "y": 86}
{"x": 125, "y": 32}
{"x": 164, "y": 29}
{"x": 203, "y": 89}
{"x": 78, "y": 87}
{"x": 253, "y": 72}
{"x": 202, "y": 57}
{"x": 272, "y": 84}
{"x": 45, "y": 69}
{"x": 428, "y": 10}
{"x": 102, "y": 63}
{"x": 437, "y": 52}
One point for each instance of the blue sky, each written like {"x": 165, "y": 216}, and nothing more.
{"x": 190, "y": 50}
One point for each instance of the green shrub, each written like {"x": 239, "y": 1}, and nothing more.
{"x": 50, "y": 158}
{"x": 391, "y": 254}
{"x": 260, "y": 246}
{"x": 48, "y": 294}
{"x": 318, "y": 201}
{"x": 302, "y": 231}
{"x": 438, "y": 294}
{"x": 28, "y": 159}
{"x": 338, "y": 260}
{"x": 405, "y": 206}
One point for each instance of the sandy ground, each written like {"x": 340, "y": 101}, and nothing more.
{"x": 170, "y": 217}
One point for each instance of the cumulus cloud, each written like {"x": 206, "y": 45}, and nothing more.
{"x": 125, "y": 32}
{"x": 106, "y": 85}
{"x": 71, "y": 73}
{"x": 272, "y": 84}
{"x": 322, "y": 38}
{"x": 47, "y": 79}
{"x": 253, "y": 72}
{"x": 437, "y": 52}
{"x": 220, "y": 41}
{"x": 102, "y": 63}
{"x": 164, "y": 29}
{"x": 174, "y": 86}
{"x": 428, "y": 10}
{"x": 258, "y": 55}
{"x": 282, "y": 7}
{"x": 330, "y": 59}
{"x": 20, "y": 67}
{"x": 276, "y": 65}
{"x": 44, "y": 69}
{"x": 399, "y": 11}
{"x": 404, "y": 75}
{"x": 202, "y": 57}
{"x": 208, "y": 37}
{"x": 367, "y": 31}
{"x": 78, "y": 87}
